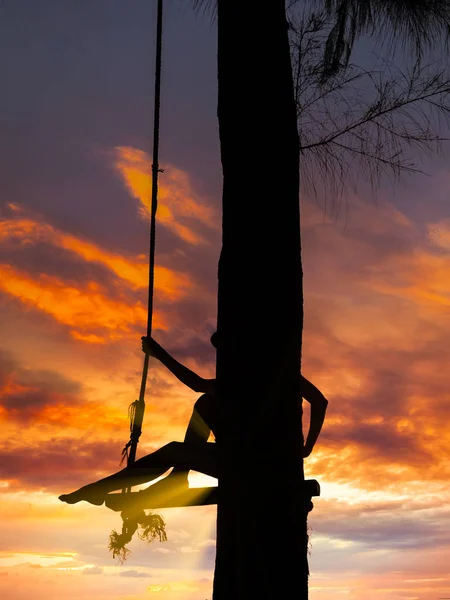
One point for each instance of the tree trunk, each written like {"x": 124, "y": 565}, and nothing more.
{"x": 261, "y": 527}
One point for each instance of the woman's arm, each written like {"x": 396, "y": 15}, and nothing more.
{"x": 318, "y": 409}
{"x": 182, "y": 373}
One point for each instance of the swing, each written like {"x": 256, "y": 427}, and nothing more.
{"x": 151, "y": 498}
{"x": 161, "y": 494}
{"x": 172, "y": 496}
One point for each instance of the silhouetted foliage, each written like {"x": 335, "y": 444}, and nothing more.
{"x": 360, "y": 122}
{"x": 416, "y": 24}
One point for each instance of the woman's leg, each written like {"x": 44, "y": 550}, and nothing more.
{"x": 198, "y": 430}
{"x": 148, "y": 468}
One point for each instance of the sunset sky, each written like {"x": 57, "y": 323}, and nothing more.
{"x": 76, "y": 122}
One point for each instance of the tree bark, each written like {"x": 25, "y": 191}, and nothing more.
{"x": 261, "y": 526}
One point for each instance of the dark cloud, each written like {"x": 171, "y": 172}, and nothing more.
{"x": 8, "y": 366}
{"x": 65, "y": 266}
{"x": 191, "y": 346}
{"x": 378, "y": 442}
{"x": 396, "y": 526}
{"x": 337, "y": 253}
{"x": 26, "y": 392}
{"x": 23, "y": 405}
{"x": 51, "y": 380}
{"x": 199, "y": 261}
{"x": 92, "y": 571}
{"x": 58, "y": 465}
{"x": 133, "y": 573}
{"x": 208, "y": 556}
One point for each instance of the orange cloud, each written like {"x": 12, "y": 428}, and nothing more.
{"x": 85, "y": 309}
{"x": 174, "y": 285}
{"x": 177, "y": 201}
{"x": 51, "y": 410}
{"x": 81, "y": 418}
{"x": 421, "y": 277}
{"x": 376, "y": 328}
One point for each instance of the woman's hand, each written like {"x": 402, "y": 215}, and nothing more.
{"x": 149, "y": 346}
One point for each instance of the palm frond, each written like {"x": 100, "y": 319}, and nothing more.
{"x": 420, "y": 23}
{"x": 206, "y": 7}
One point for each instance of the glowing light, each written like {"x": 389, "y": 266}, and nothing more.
{"x": 43, "y": 560}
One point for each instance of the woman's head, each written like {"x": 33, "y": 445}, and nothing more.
{"x": 215, "y": 339}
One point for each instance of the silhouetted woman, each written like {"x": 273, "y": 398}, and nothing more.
{"x": 195, "y": 453}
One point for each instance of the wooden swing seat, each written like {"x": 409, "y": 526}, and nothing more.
{"x": 164, "y": 495}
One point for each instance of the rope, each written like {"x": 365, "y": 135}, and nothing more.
{"x": 131, "y": 417}
{"x": 153, "y": 525}
{"x": 137, "y": 408}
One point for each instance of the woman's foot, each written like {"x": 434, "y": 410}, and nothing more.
{"x": 89, "y": 493}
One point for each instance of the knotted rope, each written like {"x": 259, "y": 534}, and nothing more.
{"x": 152, "y": 525}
